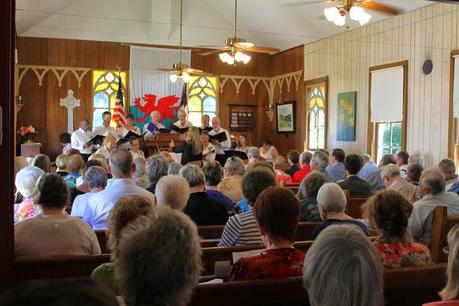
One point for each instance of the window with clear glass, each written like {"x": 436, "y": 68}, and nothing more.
{"x": 202, "y": 98}
{"x": 389, "y": 138}
{"x": 316, "y": 117}
{"x": 105, "y": 86}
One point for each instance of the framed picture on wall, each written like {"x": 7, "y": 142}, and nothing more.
{"x": 286, "y": 119}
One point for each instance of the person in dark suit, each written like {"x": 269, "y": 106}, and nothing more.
{"x": 358, "y": 187}
{"x": 293, "y": 158}
{"x": 201, "y": 207}
{"x": 191, "y": 149}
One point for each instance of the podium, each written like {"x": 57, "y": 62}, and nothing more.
{"x": 30, "y": 149}
{"x": 161, "y": 142}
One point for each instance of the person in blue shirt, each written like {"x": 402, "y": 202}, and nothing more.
{"x": 214, "y": 173}
{"x": 368, "y": 168}
{"x": 336, "y": 169}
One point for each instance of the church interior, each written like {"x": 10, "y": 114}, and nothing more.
{"x": 262, "y": 152}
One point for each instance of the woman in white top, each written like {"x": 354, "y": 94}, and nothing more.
{"x": 243, "y": 144}
{"x": 268, "y": 151}
{"x": 107, "y": 146}
{"x": 122, "y": 131}
{"x": 53, "y": 232}
{"x": 208, "y": 149}
{"x": 136, "y": 151}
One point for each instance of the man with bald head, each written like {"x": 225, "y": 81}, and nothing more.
{"x": 122, "y": 168}
{"x": 220, "y": 147}
{"x": 156, "y": 120}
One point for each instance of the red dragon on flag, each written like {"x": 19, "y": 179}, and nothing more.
{"x": 165, "y": 106}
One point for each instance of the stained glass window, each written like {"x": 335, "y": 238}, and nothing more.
{"x": 202, "y": 98}
{"x": 105, "y": 86}
{"x": 316, "y": 117}
{"x": 389, "y": 138}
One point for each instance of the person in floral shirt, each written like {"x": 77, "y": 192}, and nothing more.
{"x": 389, "y": 212}
{"x": 276, "y": 211}
{"x": 25, "y": 182}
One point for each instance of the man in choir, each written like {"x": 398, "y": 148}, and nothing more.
{"x": 105, "y": 129}
{"x": 220, "y": 147}
{"x": 156, "y": 120}
{"x": 80, "y": 138}
{"x": 205, "y": 122}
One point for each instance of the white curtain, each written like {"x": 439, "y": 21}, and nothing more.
{"x": 387, "y": 94}
{"x": 144, "y": 76}
{"x": 456, "y": 88}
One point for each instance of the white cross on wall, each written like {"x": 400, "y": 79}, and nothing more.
{"x": 70, "y": 102}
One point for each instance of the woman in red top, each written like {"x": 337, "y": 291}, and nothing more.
{"x": 389, "y": 212}
{"x": 276, "y": 211}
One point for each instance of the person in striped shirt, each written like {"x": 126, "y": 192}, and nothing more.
{"x": 242, "y": 229}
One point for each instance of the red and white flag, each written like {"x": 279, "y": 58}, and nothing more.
{"x": 119, "y": 114}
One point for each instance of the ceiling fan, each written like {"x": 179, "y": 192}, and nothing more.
{"x": 181, "y": 70}
{"x": 235, "y": 47}
{"x": 340, "y": 9}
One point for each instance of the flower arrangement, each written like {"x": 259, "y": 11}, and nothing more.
{"x": 25, "y": 130}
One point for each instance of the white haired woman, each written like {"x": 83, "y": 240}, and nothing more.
{"x": 332, "y": 203}
{"x": 342, "y": 268}
{"x": 25, "y": 182}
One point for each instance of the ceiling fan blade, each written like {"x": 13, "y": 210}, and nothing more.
{"x": 165, "y": 69}
{"x": 212, "y": 52}
{"x": 208, "y": 46}
{"x": 254, "y": 48}
{"x": 301, "y": 3}
{"x": 194, "y": 71}
{"x": 378, "y": 6}
{"x": 446, "y": 1}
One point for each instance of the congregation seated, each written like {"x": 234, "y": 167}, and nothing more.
{"x": 156, "y": 167}
{"x": 293, "y": 159}
{"x": 331, "y": 201}
{"x": 71, "y": 292}
{"x": 42, "y": 161}
{"x": 357, "y": 187}
{"x": 337, "y": 168}
{"x": 52, "y": 232}
{"x": 25, "y": 182}
{"x": 368, "y": 169}
{"x": 140, "y": 173}
{"x": 448, "y": 168}
{"x": 66, "y": 142}
{"x": 432, "y": 188}
{"x": 413, "y": 173}
{"x": 233, "y": 171}
{"x": 213, "y": 174}
{"x": 130, "y": 215}
{"x": 305, "y": 168}
{"x": 172, "y": 191}
{"x": 276, "y": 211}
{"x": 268, "y": 151}
{"x": 450, "y": 293}
{"x": 96, "y": 178}
{"x": 401, "y": 159}
{"x": 61, "y": 165}
{"x": 342, "y": 268}
{"x": 174, "y": 168}
{"x": 309, "y": 212}
{"x": 101, "y": 203}
{"x": 374, "y": 178}
{"x": 82, "y": 185}
{"x": 231, "y": 187}
{"x": 191, "y": 148}
{"x": 388, "y": 211}
{"x": 107, "y": 146}
{"x": 75, "y": 166}
{"x": 253, "y": 155}
{"x": 394, "y": 181}
{"x": 319, "y": 162}
{"x": 169, "y": 253}
{"x": 241, "y": 229}
{"x": 201, "y": 207}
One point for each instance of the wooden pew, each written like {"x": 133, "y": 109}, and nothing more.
{"x": 354, "y": 207}
{"x": 102, "y": 238}
{"x": 281, "y": 166}
{"x": 407, "y": 287}
{"x": 441, "y": 225}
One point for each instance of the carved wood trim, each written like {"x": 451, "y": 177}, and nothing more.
{"x": 59, "y": 71}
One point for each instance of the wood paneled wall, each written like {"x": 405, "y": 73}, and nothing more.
{"x": 427, "y": 33}
{"x": 41, "y": 107}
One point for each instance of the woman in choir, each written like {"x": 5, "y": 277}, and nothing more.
{"x": 268, "y": 151}
{"x": 191, "y": 148}
{"x": 389, "y": 211}
{"x": 123, "y": 130}
{"x": 107, "y": 146}
{"x": 243, "y": 144}
{"x": 25, "y": 182}
{"x": 276, "y": 211}
{"x": 208, "y": 149}
{"x": 136, "y": 151}
{"x": 53, "y": 232}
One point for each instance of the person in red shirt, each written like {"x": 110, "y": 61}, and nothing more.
{"x": 305, "y": 160}
{"x": 276, "y": 211}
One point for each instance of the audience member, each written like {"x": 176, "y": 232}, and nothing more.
{"x": 448, "y": 168}
{"x": 319, "y": 162}
{"x": 75, "y": 166}
{"x": 136, "y": 149}
{"x": 25, "y": 182}
{"x": 169, "y": 253}
{"x": 61, "y": 165}
{"x": 393, "y": 181}
{"x": 214, "y": 174}
{"x": 66, "y": 142}
{"x": 413, "y": 173}
{"x": 368, "y": 169}
{"x": 432, "y": 188}
{"x": 268, "y": 151}
{"x": 140, "y": 174}
{"x": 388, "y": 211}
{"x": 305, "y": 168}
{"x": 42, "y": 161}
{"x": 101, "y": 203}
{"x": 107, "y": 146}
{"x": 231, "y": 186}
{"x": 374, "y": 178}
{"x": 337, "y": 169}
{"x": 332, "y": 203}
{"x": 96, "y": 177}
{"x": 157, "y": 167}
{"x": 234, "y": 166}
{"x": 53, "y": 232}
{"x": 241, "y": 229}
{"x": 402, "y": 162}
{"x": 342, "y": 268}
{"x": 293, "y": 158}
{"x": 130, "y": 215}
{"x": 276, "y": 211}
{"x": 208, "y": 149}
{"x": 172, "y": 191}
{"x": 201, "y": 207}
{"x": 357, "y": 187}
{"x": 253, "y": 155}
{"x": 416, "y": 158}
{"x": 450, "y": 294}
{"x": 174, "y": 168}
{"x": 309, "y": 212}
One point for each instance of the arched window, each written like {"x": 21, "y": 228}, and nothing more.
{"x": 316, "y": 126}
{"x": 202, "y": 98}
{"x": 105, "y": 86}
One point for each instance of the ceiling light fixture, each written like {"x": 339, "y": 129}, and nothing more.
{"x": 337, "y": 15}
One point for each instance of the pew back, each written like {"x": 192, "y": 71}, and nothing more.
{"x": 354, "y": 207}
{"x": 441, "y": 225}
